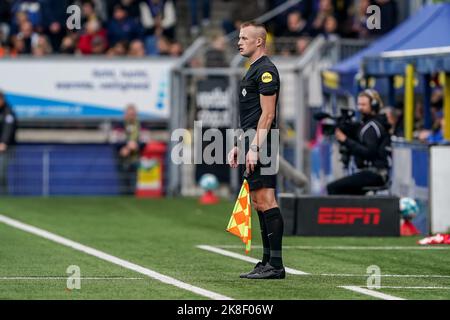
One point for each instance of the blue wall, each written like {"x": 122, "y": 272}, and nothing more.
{"x": 78, "y": 169}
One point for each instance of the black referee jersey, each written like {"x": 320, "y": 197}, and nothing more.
{"x": 261, "y": 78}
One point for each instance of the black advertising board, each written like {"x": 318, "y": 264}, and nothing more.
{"x": 342, "y": 215}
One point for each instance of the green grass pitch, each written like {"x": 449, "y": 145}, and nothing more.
{"x": 162, "y": 235}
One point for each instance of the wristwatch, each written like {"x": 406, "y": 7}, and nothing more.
{"x": 254, "y": 147}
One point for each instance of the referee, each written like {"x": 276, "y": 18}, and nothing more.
{"x": 258, "y": 98}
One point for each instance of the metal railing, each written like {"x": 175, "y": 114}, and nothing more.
{"x": 348, "y": 47}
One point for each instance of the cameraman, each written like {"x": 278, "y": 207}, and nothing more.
{"x": 370, "y": 148}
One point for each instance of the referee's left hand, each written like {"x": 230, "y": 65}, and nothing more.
{"x": 250, "y": 161}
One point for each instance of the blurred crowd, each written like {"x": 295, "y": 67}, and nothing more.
{"x": 148, "y": 27}
{"x": 113, "y": 27}
{"x": 309, "y": 18}
{"x": 433, "y": 135}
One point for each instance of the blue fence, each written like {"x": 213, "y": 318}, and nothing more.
{"x": 53, "y": 169}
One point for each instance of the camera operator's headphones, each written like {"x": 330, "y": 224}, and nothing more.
{"x": 374, "y": 103}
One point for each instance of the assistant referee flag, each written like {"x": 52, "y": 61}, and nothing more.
{"x": 240, "y": 222}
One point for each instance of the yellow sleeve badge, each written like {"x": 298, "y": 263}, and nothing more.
{"x": 266, "y": 77}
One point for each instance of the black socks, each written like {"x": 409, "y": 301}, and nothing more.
{"x": 265, "y": 238}
{"x": 274, "y": 228}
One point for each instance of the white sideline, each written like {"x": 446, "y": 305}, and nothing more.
{"x": 244, "y": 258}
{"x": 385, "y": 275}
{"x": 231, "y": 254}
{"x": 115, "y": 260}
{"x": 419, "y": 248}
{"x": 65, "y": 278}
{"x": 415, "y": 288}
{"x": 370, "y": 292}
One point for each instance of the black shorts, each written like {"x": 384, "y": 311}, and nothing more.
{"x": 257, "y": 179}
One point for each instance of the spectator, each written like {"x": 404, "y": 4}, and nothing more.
{"x": 88, "y": 12}
{"x": 359, "y": 24}
{"x": 3, "y": 46}
{"x": 119, "y": 49}
{"x": 163, "y": 46}
{"x": 92, "y": 31}
{"x": 158, "y": 18}
{"x": 8, "y": 124}
{"x": 296, "y": 25}
{"x": 68, "y": 45}
{"x": 394, "y": 118}
{"x": 176, "y": 50}
{"x": 436, "y": 134}
{"x": 136, "y": 49}
{"x": 54, "y": 20}
{"x": 99, "y": 44}
{"x": 20, "y": 18}
{"x": 5, "y": 20}
{"x": 42, "y": 47}
{"x": 121, "y": 27}
{"x": 129, "y": 151}
{"x": 278, "y": 24}
{"x": 91, "y": 8}
{"x": 330, "y": 27}
{"x": 206, "y": 9}
{"x": 419, "y": 115}
{"x": 130, "y": 6}
{"x": 33, "y": 10}
{"x": 325, "y": 9}
{"x": 28, "y": 36}
{"x": 301, "y": 44}
{"x": 341, "y": 9}
{"x": 437, "y": 100}
{"x": 18, "y": 46}
{"x": 3, "y": 50}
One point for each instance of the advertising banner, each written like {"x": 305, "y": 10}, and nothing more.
{"x": 340, "y": 215}
{"x": 86, "y": 88}
{"x": 214, "y": 110}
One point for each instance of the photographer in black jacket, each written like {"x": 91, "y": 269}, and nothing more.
{"x": 370, "y": 149}
{"x": 8, "y": 125}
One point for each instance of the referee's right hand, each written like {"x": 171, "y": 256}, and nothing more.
{"x": 232, "y": 157}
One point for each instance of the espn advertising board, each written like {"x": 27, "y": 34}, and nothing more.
{"x": 60, "y": 88}
{"x": 341, "y": 215}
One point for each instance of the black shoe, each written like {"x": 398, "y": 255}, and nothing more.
{"x": 259, "y": 266}
{"x": 269, "y": 272}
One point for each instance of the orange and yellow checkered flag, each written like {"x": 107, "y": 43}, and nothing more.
{"x": 240, "y": 223}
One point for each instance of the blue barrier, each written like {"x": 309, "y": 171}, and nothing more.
{"x": 61, "y": 169}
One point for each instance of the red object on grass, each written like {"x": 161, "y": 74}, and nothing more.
{"x": 209, "y": 198}
{"x": 437, "y": 239}
{"x": 408, "y": 229}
